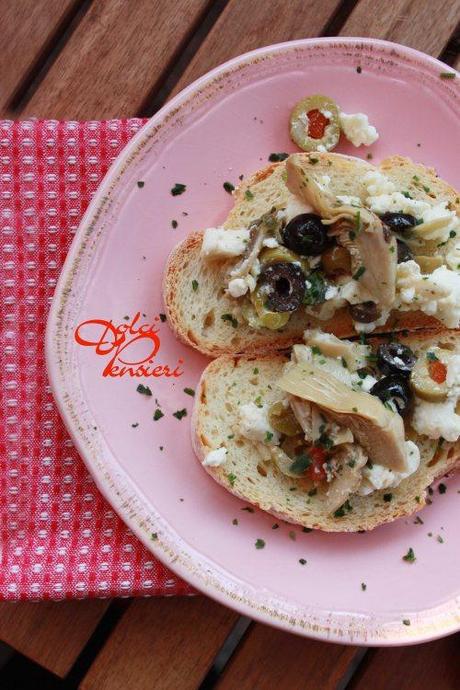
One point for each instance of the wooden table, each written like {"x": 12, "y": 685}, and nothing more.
{"x": 85, "y": 59}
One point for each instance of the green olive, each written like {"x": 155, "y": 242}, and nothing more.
{"x": 283, "y": 419}
{"x": 428, "y": 264}
{"x": 426, "y": 379}
{"x": 257, "y": 316}
{"x": 276, "y": 254}
{"x": 314, "y": 122}
{"x": 336, "y": 261}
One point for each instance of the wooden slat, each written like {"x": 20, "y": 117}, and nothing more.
{"x": 51, "y": 633}
{"x": 272, "y": 659}
{"x": 248, "y": 24}
{"x": 421, "y": 667}
{"x": 115, "y": 56}
{"x": 27, "y": 29}
{"x": 161, "y": 643}
{"x": 421, "y": 24}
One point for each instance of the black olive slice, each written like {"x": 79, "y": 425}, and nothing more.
{"x": 404, "y": 253}
{"x": 282, "y": 286}
{"x": 366, "y": 312}
{"x": 395, "y": 358}
{"x": 394, "y": 389}
{"x": 399, "y": 222}
{"x": 306, "y": 235}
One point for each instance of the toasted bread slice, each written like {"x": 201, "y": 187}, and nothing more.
{"x": 248, "y": 472}
{"x": 196, "y": 316}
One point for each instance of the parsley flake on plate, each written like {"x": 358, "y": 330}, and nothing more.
{"x": 178, "y": 188}
{"x": 144, "y": 390}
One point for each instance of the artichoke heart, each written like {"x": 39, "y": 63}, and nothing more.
{"x": 379, "y": 430}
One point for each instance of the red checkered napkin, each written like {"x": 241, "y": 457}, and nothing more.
{"x": 59, "y": 538}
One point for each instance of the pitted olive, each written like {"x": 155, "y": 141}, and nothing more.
{"x": 282, "y": 286}
{"x": 394, "y": 389}
{"x": 399, "y": 222}
{"x": 404, "y": 253}
{"x": 306, "y": 235}
{"x": 395, "y": 358}
{"x": 366, "y": 312}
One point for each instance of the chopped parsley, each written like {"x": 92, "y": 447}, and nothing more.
{"x": 315, "y": 293}
{"x": 189, "y": 391}
{"x": 307, "y": 529}
{"x": 136, "y": 424}
{"x": 447, "y": 75}
{"x": 313, "y": 161}
{"x": 231, "y": 319}
{"x": 292, "y": 535}
{"x": 357, "y": 275}
{"x": 277, "y": 157}
{"x": 140, "y": 183}
{"x": 248, "y": 195}
{"x": 418, "y": 521}
{"x": 162, "y": 318}
{"x": 316, "y": 350}
{"x": 229, "y": 187}
{"x": 431, "y": 357}
{"x": 302, "y": 561}
{"x": 144, "y": 390}
{"x": 442, "y": 488}
{"x": 260, "y": 544}
{"x": 255, "y": 371}
{"x": 313, "y": 492}
{"x": 358, "y": 221}
{"x": 180, "y": 413}
{"x": 154, "y": 536}
{"x": 369, "y": 156}
{"x": 275, "y": 526}
{"x": 174, "y": 224}
{"x": 359, "y": 69}
{"x": 248, "y": 509}
{"x": 363, "y": 586}
{"x": 406, "y": 621}
{"x": 234, "y": 521}
{"x": 268, "y": 436}
{"x": 301, "y": 463}
{"x": 195, "y": 285}
{"x": 387, "y": 497}
{"x": 158, "y": 414}
{"x": 178, "y": 189}
{"x": 440, "y": 539}
{"x": 410, "y": 556}
{"x": 231, "y": 478}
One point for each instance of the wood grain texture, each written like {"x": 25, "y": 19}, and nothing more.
{"x": 161, "y": 643}
{"x": 113, "y": 59}
{"x": 272, "y": 659}
{"x": 27, "y": 29}
{"x": 51, "y": 633}
{"x": 423, "y": 24}
{"x": 248, "y": 24}
{"x": 421, "y": 667}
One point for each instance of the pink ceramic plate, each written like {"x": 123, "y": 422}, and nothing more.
{"x": 224, "y": 125}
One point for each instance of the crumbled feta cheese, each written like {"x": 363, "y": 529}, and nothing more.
{"x": 348, "y": 200}
{"x": 255, "y": 426}
{"x": 325, "y": 180}
{"x": 396, "y": 203}
{"x": 379, "y": 477}
{"x": 331, "y": 292}
{"x": 377, "y": 183}
{"x": 357, "y": 129}
{"x": 215, "y": 458}
{"x": 321, "y": 148}
{"x": 436, "y": 294}
{"x": 327, "y": 114}
{"x": 270, "y": 242}
{"x": 438, "y": 223}
{"x": 453, "y": 376}
{"x": 453, "y": 257}
{"x": 219, "y": 243}
{"x": 436, "y": 419}
{"x": 238, "y": 287}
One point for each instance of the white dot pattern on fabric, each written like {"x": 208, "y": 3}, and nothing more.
{"x": 60, "y": 538}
